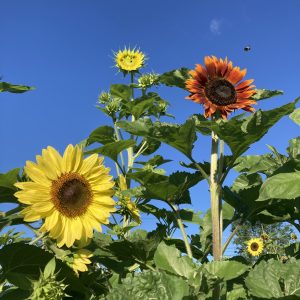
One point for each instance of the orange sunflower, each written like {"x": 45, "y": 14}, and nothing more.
{"x": 219, "y": 88}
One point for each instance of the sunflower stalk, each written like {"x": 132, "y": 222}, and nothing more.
{"x": 182, "y": 230}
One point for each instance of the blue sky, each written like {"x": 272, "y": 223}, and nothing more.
{"x": 64, "y": 49}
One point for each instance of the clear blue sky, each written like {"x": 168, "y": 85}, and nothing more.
{"x": 64, "y": 49}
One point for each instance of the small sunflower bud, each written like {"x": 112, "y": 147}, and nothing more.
{"x": 104, "y": 98}
{"x": 148, "y": 80}
{"x": 264, "y": 237}
{"x": 294, "y": 237}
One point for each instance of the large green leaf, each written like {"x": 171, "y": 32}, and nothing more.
{"x": 12, "y": 88}
{"x": 226, "y": 270}
{"x": 262, "y": 94}
{"x": 281, "y": 186}
{"x": 7, "y": 188}
{"x": 168, "y": 258}
{"x": 139, "y": 106}
{"x": 121, "y": 91}
{"x": 239, "y": 134}
{"x": 113, "y": 149}
{"x": 180, "y": 137}
{"x": 102, "y": 135}
{"x": 175, "y": 77}
{"x": 295, "y": 116}
{"x": 274, "y": 280}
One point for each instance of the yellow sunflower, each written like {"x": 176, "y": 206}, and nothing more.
{"x": 129, "y": 60}
{"x": 81, "y": 260}
{"x": 255, "y": 246}
{"x": 129, "y": 205}
{"x": 219, "y": 88}
{"x": 72, "y": 194}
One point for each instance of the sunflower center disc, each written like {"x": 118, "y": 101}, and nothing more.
{"x": 220, "y": 92}
{"x": 254, "y": 246}
{"x": 71, "y": 194}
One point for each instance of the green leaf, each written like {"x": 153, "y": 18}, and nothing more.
{"x": 175, "y": 77}
{"x": 141, "y": 127}
{"x": 262, "y": 94}
{"x": 293, "y": 250}
{"x": 237, "y": 293}
{"x": 12, "y": 88}
{"x": 281, "y": 186}
{"x": 113, "y": 149}
{"x": 294, "y": 148}
{"x": 240, "y": 134}
{"x": 155, "y": 161}
{"x": 202, "y": 124}
{"x": 295, "y": 116}
{"x": 7, "y": 188}
{"x": 14, "y": 293}
{"x": 226, "y": 270}
{"x": 121, "y": 91}
{"x": 273, "y": 279}
{"x": 168, "y": 258}
{"x": 256, "y": 163}
{"x": 102, "y": 135}
{"x": 50, "y": 268}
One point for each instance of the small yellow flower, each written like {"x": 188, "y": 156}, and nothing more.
{"x": 129, "y": 60}
{"x": 129, "y": 205}
{"x": 81, "y": 260}
{"x": 255, "y": 246}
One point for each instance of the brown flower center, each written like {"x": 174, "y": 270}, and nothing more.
{"x": 254, "y": 246}
{"x": 71, "y": 194}
{"x": 220, "y": 92}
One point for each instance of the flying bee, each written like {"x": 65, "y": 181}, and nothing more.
{"x": 247, "y": 48}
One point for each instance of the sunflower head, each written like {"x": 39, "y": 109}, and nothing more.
{"x": 81, "y": 259}
{"x": 129, "y": 60}
{"x": 72, "y": 194}
{"x": 255, "y": 246}
{"x": 218, "y": 86}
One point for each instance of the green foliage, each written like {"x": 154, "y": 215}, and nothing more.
{"x": 295, "y": 116}
{"x": 7, "y": 188}
{"x": 13, "y": 88}
{"x": 102, "y": 135}
{"x": 275, "y": 280}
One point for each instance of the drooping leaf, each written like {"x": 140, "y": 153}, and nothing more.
{"x": 13, "y": 88}
{"x": 240, "y": 134}
{"x": 168, "y": 258}
{"x": 262, "y": 94}
{"x": 295, "y": 116}
{"x": 113, "y": 149}
{"x": 141, "y": 127}
{"x": 175, "y": 77}
{"x": 281, "y": 186}
{"x": 121, "y": 91}
{"x": 272, "y": 280}
{"x": 102, "y": 135}
{"x": 155, "y": 161}
{"x": 226, "y": 270}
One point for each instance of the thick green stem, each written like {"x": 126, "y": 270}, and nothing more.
{"x": 220, "y": 172}
{"x": 181, "y": 227}
{"x": 130, "y": 150}
{"x": 214, "y": 198}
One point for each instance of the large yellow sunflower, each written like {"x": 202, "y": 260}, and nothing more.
{"x": 72, "y": 194}
{"x": 219, "y": 88}
{"x": 255, "y": 246}
{"x": 129, "y": 60}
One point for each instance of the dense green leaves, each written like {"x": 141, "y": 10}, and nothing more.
{"x": 13, "y": 88}
{"x": 113, "y": 149}
{"x": 175, "y": 77}
{"x": 281, "y": 186}
{"x": 273, "y": 280}
{"x": 262, "y": 94}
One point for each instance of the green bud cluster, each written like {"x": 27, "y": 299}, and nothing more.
{"x": 148, "y": 80}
